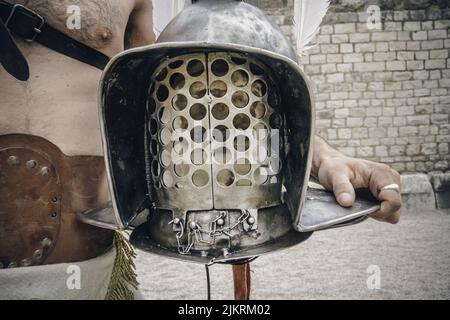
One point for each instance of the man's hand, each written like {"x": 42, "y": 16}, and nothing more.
{"x": 343, "y": 175}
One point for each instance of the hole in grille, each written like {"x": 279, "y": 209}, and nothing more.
{"x": 195, "y": 68}
{"x": 276, "y": 121}
{"x": 182, "y": 170}
{"x": 239, "y": 61}
{"x": 151, "y": 106}
{"x": 259, "y": 88}
{"x": 260, "y": 131}
{"x": 222, "y": 155}
{"x": 197, "y": 90}
{"x": 241, "y": 121}
{"x": 198, "y": 157}
{"x": 167, "y": 179}
{"x": 260, "y": 154}
{"x": 200, "y": 178}
{"x": 154, "y": 147}
{"x": 256, "y": 70}
{"x": 260, "y": 176}
{"x": 221, "y": 133}
{"x": 198, "y": 112}
{"x": 218, "y": 89}
{"x": 153, "y": 126}
{"x": 220, "y": 68}
{"x": 241, "y": 143}
{"x": 240, "y": 78}
{"x": 179, "y": 102}
{"x": 164, "y": 115}
{"x": 165, "y": 136}
{"x": 242, "y": 167}
{"x": 225, "y": 178}
{"x": 244, "y": 183}
{"x": 181, "y": 146}
{"x": 240, "y": 99}
{"x": 258, "y": 110}
{"x": 166, "y": 158}
{"x": 198, "y": 134}
{"x": 180, "y": 123}
{"x": 162, "y": 75}
{"x": 176, "y": 64}
{"x": 177, "y": 81}
{"x": 163, "y": 93}
{"x": 220, "y": 111}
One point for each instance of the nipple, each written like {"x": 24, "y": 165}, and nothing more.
{"x": 105, "y": 33}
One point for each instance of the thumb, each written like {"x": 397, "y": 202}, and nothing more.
{"x": 343, "y": 189}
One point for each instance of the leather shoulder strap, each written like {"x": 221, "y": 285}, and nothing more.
{"x": 11, "y": 58}
{"x": 31, "y": 27}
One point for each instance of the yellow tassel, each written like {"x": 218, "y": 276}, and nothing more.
{"x": 124, "y": 276}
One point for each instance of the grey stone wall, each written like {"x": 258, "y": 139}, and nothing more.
{"x": 382, "y": 95}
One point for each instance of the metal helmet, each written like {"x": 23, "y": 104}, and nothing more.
{"x": 211, "y": 130}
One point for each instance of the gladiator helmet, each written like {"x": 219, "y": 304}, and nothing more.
{"x": 210, "y": 131}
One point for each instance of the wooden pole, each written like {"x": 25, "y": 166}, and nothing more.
{"x": 242, "y": 281}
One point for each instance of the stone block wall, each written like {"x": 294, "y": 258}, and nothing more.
{"x": 382, "y": 94}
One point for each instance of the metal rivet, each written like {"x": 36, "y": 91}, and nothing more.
{"x": 54, "y": 215}
{"x": 38, "y": 254}
{"x": 220, "y": 222}
{"x": 45, "y": 171}
{"x": 55, "y": 199}
{"x": 13, "y": 160}
{"x": 176, "y": 221}
{"x": 31, "y": 164}
{"x": 225, "y": 252}
{"x": 12, "y": 265}
{"x": 26, "y": 262}
{"x": 46, "y": 242}
{"x": 193, "y": 225}
{"x": 251, "y": 220}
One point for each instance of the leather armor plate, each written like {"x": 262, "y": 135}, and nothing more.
{"x": 41, "y": 191}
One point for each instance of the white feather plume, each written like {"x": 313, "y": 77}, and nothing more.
{"x": 164, "y": 11}
{"x": 308, "y": 15}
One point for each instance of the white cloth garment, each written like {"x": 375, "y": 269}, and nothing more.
{"x": 164, "y": 11}
{"x": 86, "y": 280}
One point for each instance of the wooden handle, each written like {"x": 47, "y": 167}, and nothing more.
{"x": 242, "y": 281}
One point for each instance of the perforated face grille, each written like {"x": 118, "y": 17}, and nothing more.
{"x": 214, "y": 133}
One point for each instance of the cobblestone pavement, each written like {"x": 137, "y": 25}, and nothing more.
{"x": 413, "y": 257}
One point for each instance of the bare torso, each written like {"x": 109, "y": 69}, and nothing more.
{"x": 59, "y": 102}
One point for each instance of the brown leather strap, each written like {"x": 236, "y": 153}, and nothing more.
{"x": 41, "y": 192}
{"x": 242, "y": 281}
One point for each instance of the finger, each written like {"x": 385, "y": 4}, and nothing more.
{"x": 343, "y": 189}
{"x": 391, "y": 218}
{"x": 390, "y": 199}
{"x": 390, "y": 206}
{"x": 381, "y": 177}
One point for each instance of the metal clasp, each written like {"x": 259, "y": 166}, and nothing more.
{"x": 37, "y": 28}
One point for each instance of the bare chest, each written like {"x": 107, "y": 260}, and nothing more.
{"x": 100, "y": 24}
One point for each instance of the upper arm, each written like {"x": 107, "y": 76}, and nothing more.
{"x": 140, "y": 25}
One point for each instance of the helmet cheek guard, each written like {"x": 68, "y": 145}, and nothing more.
{"x": 211, "y": 130}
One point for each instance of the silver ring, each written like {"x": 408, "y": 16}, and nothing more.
{"x": 392, "y": 186}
